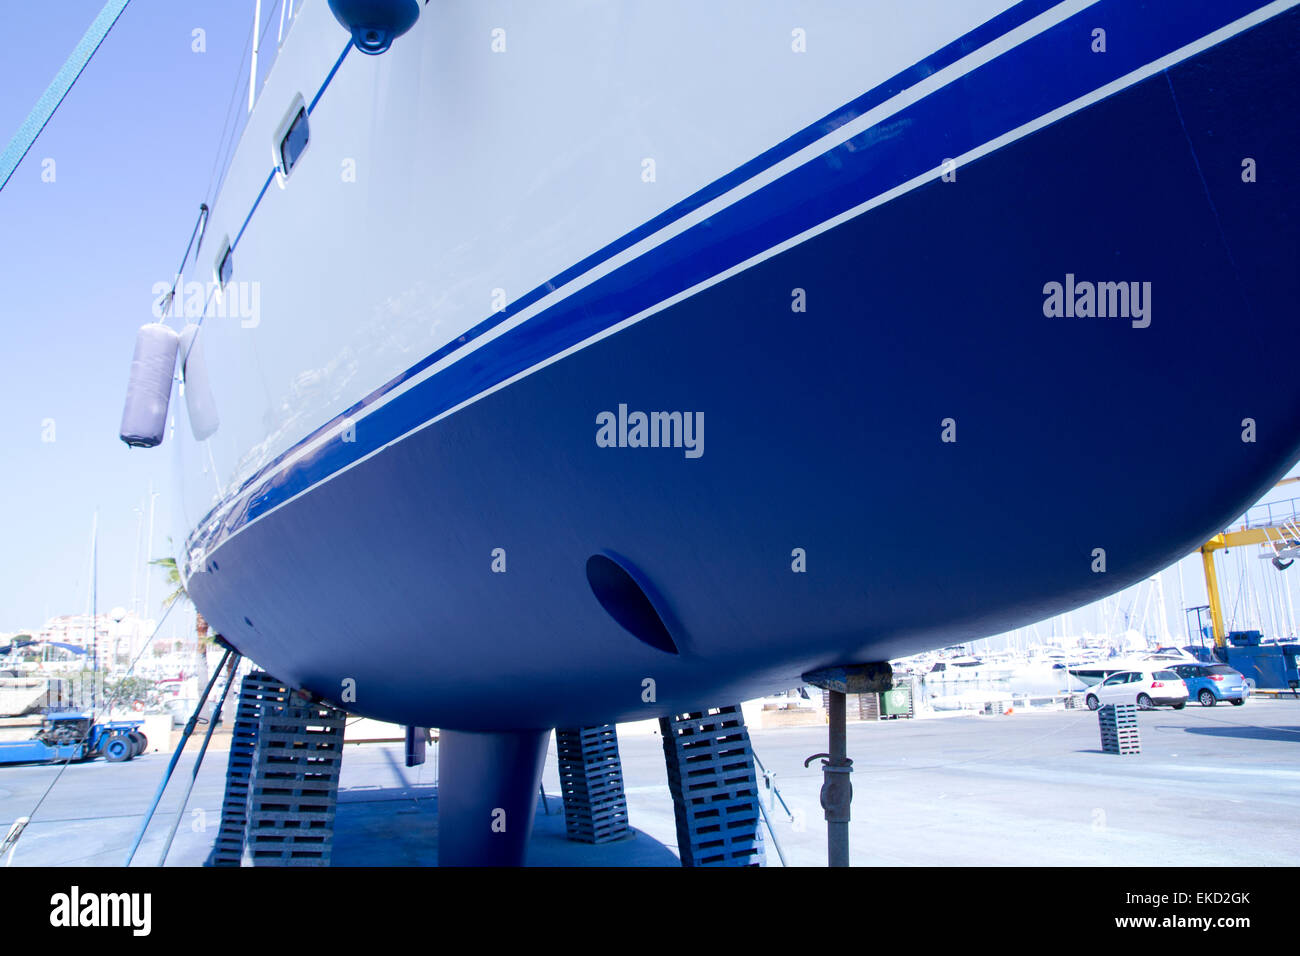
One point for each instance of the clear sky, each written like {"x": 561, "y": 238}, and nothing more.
{"x": 134, "y": 147}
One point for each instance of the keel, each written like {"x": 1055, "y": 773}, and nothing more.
{"x": 487, "y": 795}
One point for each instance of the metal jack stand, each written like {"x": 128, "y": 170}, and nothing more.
{"x": 837, "y": 789}
{"x": 773, "y": 794}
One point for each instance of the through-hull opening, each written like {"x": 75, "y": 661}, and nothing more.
{"x": 625, "y": 600}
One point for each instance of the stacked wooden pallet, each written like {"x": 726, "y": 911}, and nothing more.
{"x": 256, "y": 692}
{"x": 591, "y": 780}
{"x": 293, "y": 789}
{"x": 714, "y": 787}
{"x": 856, "y": 706}
{"x": 1119, "y": 729}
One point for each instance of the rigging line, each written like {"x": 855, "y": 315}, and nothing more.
{"x": 216, "y": 287}
{"x": 58, "y": 89}
{"x": 108, "y": 707}
{"x": 230, "y": 112}
{"x": 227, "y": 154}
{"x": 107, "y": 710}
{"x": 62, "y": 767}
{"x": 266, "y": 26}
{"x": 226, "y": 150}
{"x": 1232, "y": 616}
{"x": 232, "y": 669}
{"x": 200, "y": 225}
{"x": 57, "y": 776}
{"x": 176, "y": 755}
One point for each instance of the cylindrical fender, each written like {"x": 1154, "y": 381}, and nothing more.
{"x": 199, "y": 403}
{"x": 149, "y": 389}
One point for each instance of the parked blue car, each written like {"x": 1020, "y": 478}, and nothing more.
{"x": 1211, "y": 683}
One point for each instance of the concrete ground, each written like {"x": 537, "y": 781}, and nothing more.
{"x": 1214, "y": 787}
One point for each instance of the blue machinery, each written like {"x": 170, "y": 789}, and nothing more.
{"x": 1271, "y": 666}
{"x": 1276, "y": 526}
{"x": 72, "y": 736}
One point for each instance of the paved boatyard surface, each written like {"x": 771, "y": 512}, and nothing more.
{"x": 1214, "y": 786}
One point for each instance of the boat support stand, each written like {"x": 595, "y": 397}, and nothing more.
{"x": 229, "y": 661}
{"x": 837, "y": 789}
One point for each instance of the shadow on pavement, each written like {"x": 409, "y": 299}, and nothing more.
{"x": 399, "y": 827}
{"x": 1290, "y": 734}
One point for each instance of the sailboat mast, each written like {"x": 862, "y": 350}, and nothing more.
{"x": 94, "y": 612}
{"x": 148, "y": 561}
{"x": 257, "y": 44}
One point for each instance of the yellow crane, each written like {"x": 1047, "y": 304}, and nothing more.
{"x": 1279, "y": 534}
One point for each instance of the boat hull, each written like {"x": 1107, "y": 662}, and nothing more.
{"x": 433, "y": 570}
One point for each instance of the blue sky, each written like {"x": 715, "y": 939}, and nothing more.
{"x": 134, "y": 146}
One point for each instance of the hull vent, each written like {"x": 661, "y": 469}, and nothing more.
{"x": 624, "y": 599}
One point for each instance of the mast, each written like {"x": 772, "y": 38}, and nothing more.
{"x": 94, "y": 611}
{"x": 257, "y": 42}
{"x": 135, "y": 564}
{"x": 148, "y": 561}
{"x": 1162, "y": 615}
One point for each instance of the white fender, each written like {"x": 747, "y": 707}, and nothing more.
{"x": 149, "y": 389}
{"x": 199, "y": 403}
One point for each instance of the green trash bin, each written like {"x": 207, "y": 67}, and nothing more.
{"x": 896, "y": 702}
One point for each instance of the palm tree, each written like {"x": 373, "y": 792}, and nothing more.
{"x": 200, "y": 625}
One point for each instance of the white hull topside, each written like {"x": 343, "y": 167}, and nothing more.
{"x": 444, "y": 179}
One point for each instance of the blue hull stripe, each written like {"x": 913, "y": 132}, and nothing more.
{"x": 950, "y": 122}
{"x": 249, "y": 218}
{"x": 271, "y": 178}
{"x": 311, "y": 107}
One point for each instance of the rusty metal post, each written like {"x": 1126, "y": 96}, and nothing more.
{"x": 837, "y": 788}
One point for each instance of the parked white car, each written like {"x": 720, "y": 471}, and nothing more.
{"x": 1146, "y": 688}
